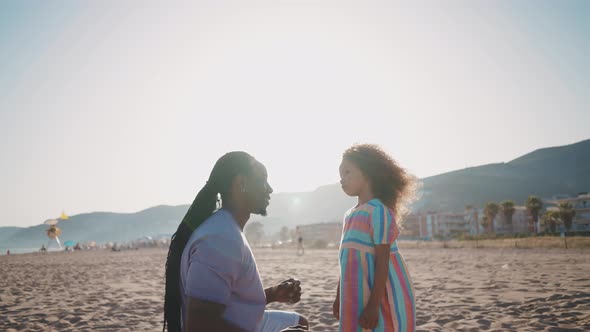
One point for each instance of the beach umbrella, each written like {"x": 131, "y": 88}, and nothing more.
{"x": 50, "y": 222}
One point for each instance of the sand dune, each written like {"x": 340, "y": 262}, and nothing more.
{"x": 456, "y": 289}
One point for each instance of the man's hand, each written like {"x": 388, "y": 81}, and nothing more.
{"x": 369, "y": 317}
{"x": 287, "y": 291}
{"x": 297, "y": 328}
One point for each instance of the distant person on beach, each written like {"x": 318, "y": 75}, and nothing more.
{"x": 375, "y": 291}
{"x": 7, "y": 252}
{"x": 212, "y": 282}
{"x": 300, "y": 249}
{"x": 43, "y": 249}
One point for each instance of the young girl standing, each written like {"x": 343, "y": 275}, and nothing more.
{"x": 375, "y": 290}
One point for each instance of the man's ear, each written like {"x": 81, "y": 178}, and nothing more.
{"x": 239, "y": 183}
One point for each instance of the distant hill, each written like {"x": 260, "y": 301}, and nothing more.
{"x": 100, "y": 227}
{"x": 545, "y": 172}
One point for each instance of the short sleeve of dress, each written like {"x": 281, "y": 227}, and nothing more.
{"x": 384, "y": 227}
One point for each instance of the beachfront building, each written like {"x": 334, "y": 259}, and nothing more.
{"x": 414, "y": 226}
{"x": 474, "y": 218}
{"x": 521, "y": 222}
{"x": 581, "y": 204}
{"x": 450, "y": 225}
{"x": 432, "y": 225}
{"x": 329, "y": 233}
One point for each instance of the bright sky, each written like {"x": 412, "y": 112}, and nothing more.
{"x": 120, "y": 106}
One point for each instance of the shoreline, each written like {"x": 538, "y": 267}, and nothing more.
{"x": 540, "y": 242}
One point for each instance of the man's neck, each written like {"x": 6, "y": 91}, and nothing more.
{"x": 240, "y": 215}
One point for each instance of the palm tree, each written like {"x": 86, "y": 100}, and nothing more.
{"x": 534, "y": 205}
{"x": 508, "y": 211}
{"x": 550, "y": 220}
{"x": 491, "y": 210}
{"x": 485, "y": 222}
{"x": 468, "y": 212}
{"x": 567, "y": 214}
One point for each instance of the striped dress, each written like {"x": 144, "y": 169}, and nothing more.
{"x": 365, "y": 226}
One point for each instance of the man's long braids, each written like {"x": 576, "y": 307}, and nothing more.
{"x": 220, "y": 181}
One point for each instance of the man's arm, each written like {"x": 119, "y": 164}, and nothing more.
{"x": 204, "y": 316}
{"x": 214, "y": 264}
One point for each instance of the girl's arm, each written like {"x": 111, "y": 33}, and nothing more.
{"x": 370, "y": 316}
{"x": 336, "y": 304}
{"x": 381, "y": 273}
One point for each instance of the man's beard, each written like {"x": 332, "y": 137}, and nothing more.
{"x": 261, "y": 211}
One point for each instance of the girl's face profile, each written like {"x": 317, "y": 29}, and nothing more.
{"x": 352, "y": 178}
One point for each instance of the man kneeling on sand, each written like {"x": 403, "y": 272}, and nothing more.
{"x": 212, "y": 282}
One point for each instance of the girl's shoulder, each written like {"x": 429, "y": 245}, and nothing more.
{"x": 376, "y": 206}
{"x": 368, "y": 207}
{"x": 375, "y": 203}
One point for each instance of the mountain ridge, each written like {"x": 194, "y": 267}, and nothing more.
{"x": 543, "y": 172}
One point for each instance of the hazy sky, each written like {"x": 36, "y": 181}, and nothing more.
{"x": 119, "y": 106}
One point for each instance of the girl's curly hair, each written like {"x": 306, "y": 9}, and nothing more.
{"x": 390, "y": 183}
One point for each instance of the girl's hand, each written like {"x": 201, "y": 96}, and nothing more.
{"x": 336, "y": 307}
{"x": 369, "y": 317}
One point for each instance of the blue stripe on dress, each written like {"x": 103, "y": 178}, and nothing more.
{"x": 378, "y": 223}
{"x": 360, "y": 235}
{"x": 394, "y": 295}
{"x": 401, "y": 305}
{"x": 370, "y": 267}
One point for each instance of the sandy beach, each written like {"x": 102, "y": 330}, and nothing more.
{"x": 456, "y": 289}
